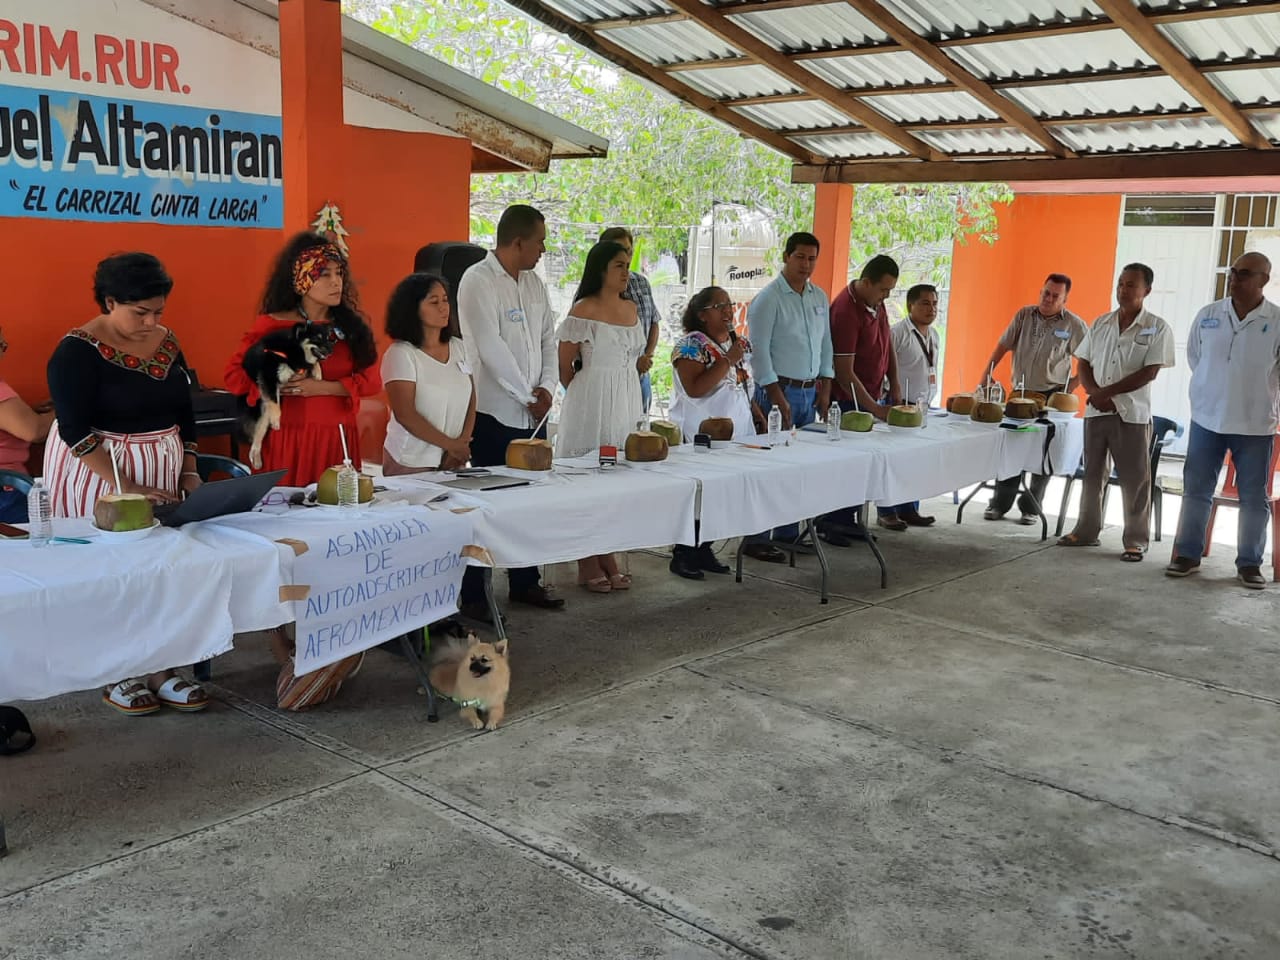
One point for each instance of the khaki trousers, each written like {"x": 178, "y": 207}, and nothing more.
{"x": 1109, "y": 439}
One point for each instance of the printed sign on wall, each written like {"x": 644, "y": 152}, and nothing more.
{"x": 73, "y": 148}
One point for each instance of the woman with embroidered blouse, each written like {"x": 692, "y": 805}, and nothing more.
{"x": 311, "y": 280}
{"x": 710, "y": 379}
{"x": 120, "y": 387}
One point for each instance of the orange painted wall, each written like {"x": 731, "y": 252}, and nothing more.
{"x": 403, "y": 190}
{"x": 1039, "y": 235}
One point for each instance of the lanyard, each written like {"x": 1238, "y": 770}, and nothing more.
{"x": 927, "y": 350}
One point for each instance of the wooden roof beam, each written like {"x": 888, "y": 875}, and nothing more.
{"x": 1186, "y": 164}
{"x": 980, "y": 90}
{"x": 1145, "y": 34}
{"x": 654, "y": 75}
{"x": 830, "y": 94}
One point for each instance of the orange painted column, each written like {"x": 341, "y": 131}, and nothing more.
{"x": 311, "y": 107}
{"x": 832, "y": 220}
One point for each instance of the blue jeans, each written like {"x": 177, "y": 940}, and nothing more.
{"x": 801, "y": 400}
{"x": 1252, "y": 458}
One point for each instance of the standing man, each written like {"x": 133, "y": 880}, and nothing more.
{"x": 791, "y": 359}
{"x": 1042, "y": 338}
{"x": 1119, "y": 357}
{"x": 791, "y": 338}
{"x": 1234, "y": 352}
{"x": 916, "y": 347}
{"x": 508, "y": 332}
{"x": 641, "y": 294}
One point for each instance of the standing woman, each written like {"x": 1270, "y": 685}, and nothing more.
{"x": 602, "y": 400}
{"x": 311, "y": 281}
{"x": 433, "y": 401}
{"x": 120, "y": 386}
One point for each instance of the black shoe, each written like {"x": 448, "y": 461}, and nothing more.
{"x": 1027, "y": 519}
{"x": 1252, "y": 578}
{"x": 834, "y": 537}
{"x": 913, "y": 519}
{"x": 1182, "y": 567}
{"x": 479, "y": 612}
{"x": 764, "y": 552}
{"x": 682, "y": 565}
{"x": 536, "y": 596}
{"x": 704, "y": 558}
{"x": 992, "y": 513}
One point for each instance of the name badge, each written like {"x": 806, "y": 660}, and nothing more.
{"x": 1209, "y": 323}
{"x": 1062, "y": 334}
{"x": 516, "y": 315}
{"x": 820, "y": 311}
{"x": 1148, "y": 332}
{"x": 933, "y": 378}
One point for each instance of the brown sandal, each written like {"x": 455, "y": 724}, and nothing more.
{"x": 1071, "y": 540}
{"x": 620, "y": 581}
{"x": 599, "y": 584}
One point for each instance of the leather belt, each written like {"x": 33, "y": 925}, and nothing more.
{"x": 788, "y": 382}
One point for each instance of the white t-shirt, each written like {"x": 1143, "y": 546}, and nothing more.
{"x": 1147, "y": 342}
{"x": 915, "y": 372}
{"x": 442, "y": 394}
{"x": 1235, "y": 369}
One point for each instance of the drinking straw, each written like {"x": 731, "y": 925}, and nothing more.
{"x": 115, "y": 467}
{"x": 540, "y": 423}
{"x": 346, "y": 457}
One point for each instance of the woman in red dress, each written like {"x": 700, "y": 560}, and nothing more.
{"x": 311, "y": 281}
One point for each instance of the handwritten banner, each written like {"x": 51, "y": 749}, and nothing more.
{"x": 69, "y": 156}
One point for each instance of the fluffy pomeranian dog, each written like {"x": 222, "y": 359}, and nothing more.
{"x": 272, "y": 362}
{"x": 475, "y": 675}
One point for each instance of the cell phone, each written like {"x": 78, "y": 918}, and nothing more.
{"x": 9, "y": 532}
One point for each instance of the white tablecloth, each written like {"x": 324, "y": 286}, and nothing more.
{"x": 745, "y": 491}
{"x": 79, "y": 616}
{"x": 1024, "y": 450}
{"x": 569, "y": 514}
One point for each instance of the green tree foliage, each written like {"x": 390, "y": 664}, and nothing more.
{"x": 667, "y": 162}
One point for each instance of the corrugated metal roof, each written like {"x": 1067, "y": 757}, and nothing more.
{"x": 874, "y": 70}
{"x": 807, "y": 28}
{"x": 987, "y": 140}
{"x": 914, "y": 107}
{"x": 1165, "y": 134}
{"x": 581, "y": 10}
{"x": 846, "y": 145}
{"x": 1041, "y": 56}
{"x": 1249, "y": 87}
{"x": 678, "y": 42}
{"x": 1226, "y": 37}
{"x": 800, "y": 115}
{"x": 1269, "y": 123}
{"x": 1100, "y": 97}
{"x": 731, "y": 82}
{"x": 952, "y": 17}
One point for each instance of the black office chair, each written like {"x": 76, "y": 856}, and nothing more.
{"x": 209, "y": 465}
{"x": 1161, "y": 428}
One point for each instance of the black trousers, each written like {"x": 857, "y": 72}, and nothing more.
{"x": 1007, "y": 490}
{"x": 489, "y": 449}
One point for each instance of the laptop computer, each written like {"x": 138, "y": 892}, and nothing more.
{"x": 219, "y": 498}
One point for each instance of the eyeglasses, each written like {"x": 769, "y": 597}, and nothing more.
{"x": 722, "y": 305}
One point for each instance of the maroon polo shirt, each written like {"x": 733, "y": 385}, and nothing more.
{"x": 863, "y": 332}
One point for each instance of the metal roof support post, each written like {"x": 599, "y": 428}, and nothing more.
{"x": 832, "y": 222}
{"x": 311, "y": 108}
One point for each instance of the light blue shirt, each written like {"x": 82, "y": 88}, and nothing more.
{"x": 790, "y": 333}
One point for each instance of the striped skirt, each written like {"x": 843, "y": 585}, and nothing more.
{"x": 153, "y": 459}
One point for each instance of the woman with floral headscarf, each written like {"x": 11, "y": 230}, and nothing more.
{"x": 311, "y": 281}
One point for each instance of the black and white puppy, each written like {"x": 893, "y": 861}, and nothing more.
{"x": 272, "y": 362}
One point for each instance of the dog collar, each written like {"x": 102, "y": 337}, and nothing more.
{"x": 276, "y": 353}
{"x": 474, "y": 703}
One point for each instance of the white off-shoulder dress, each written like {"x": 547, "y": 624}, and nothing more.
{"x": 602, "y": 403}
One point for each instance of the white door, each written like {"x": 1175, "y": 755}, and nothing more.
{"x": 1182, "y": 259}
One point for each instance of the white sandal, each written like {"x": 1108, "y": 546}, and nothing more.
{"x": 177, "y": 692}
{"x": 124, "y": 696}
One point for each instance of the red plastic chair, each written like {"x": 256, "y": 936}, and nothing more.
{"x": 1229, "y": 496}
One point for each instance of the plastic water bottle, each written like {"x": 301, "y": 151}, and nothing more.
{"x": 833, "y": 421}
{"x": 348, "y": 485}
{"x": 40, "y": 514}
{"x": 775, "y": 426}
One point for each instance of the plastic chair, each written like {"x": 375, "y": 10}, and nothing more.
{"x": 1229, "y": 496}
{"x": 1161, "y": 427}
{"x": 210, "y": 464}
{"x": 18, "y": 481}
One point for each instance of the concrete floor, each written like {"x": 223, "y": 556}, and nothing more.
{"x": 1016, "y": 751}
